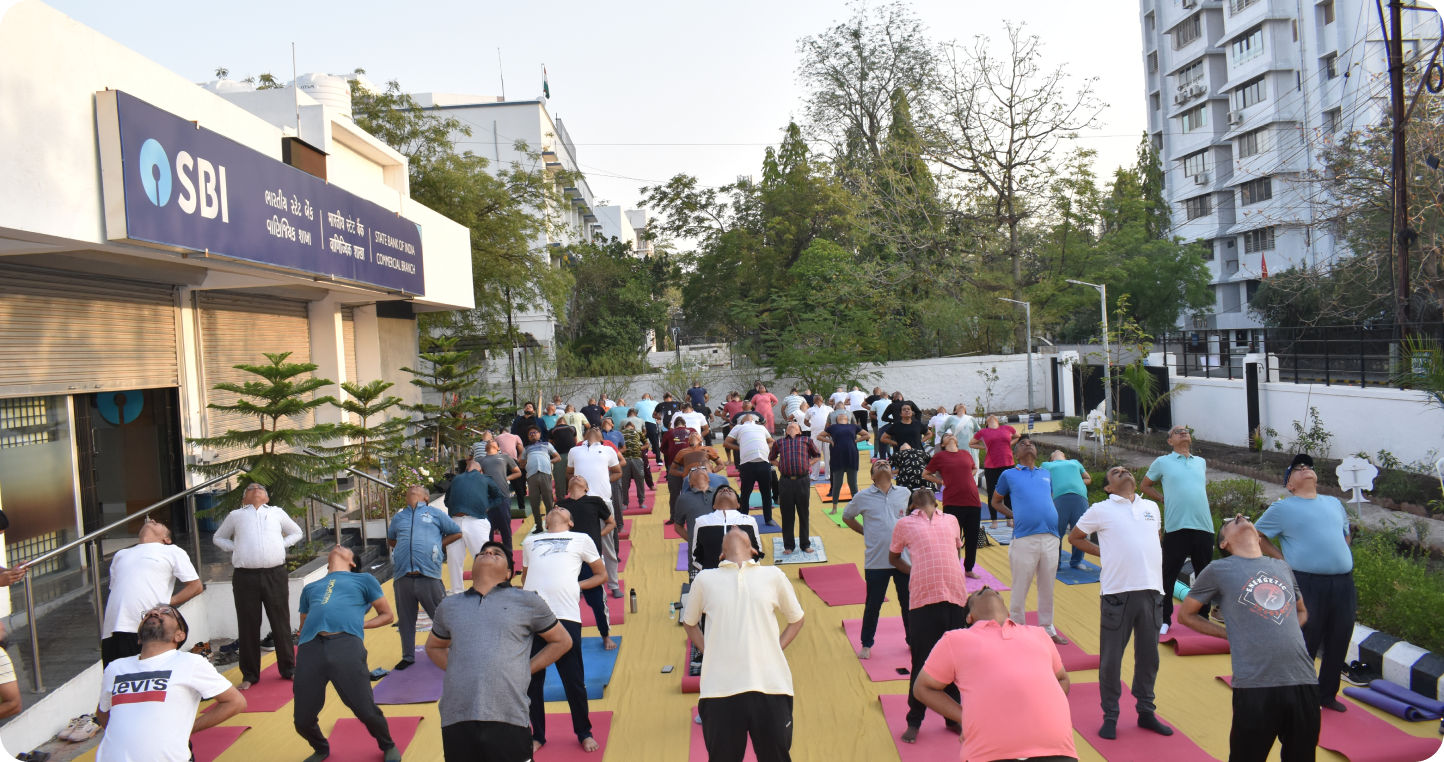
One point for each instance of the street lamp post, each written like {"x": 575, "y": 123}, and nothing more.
{"x": 1107, "y": 356}
{"x": 1028, "y": 312}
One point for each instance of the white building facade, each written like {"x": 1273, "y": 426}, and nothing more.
{"x": 1243, "y": 96}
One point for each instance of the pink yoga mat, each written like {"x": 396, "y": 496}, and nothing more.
{"x": 624, "y": 551}
{"x": 350, "y": 741}
{"x": 516, "y": 525}
{"x": 985, "y": 579}
{"x": 935, "y": 742}
{"x": 562, "y": 745}
{"x": 645, "y": 508}
{"x": 690, "y": 684}
{"x": 697, "y": 747}
{"x": 669, "y": 532}
{"x": 1075, "y": 659}
{"x": 625, "y": 533}
{"x": 682, "y": 557}
{"x": 835, "y": 584}
{"x": 212, "y": 742}
{"x": 1187, "y": 642}
{"x": 268, "y": 695}
{"x": 616, "y": 608}
{"x": 1362, "y": 736}
{"x": 1133, "y": 743}
{"x": 889, "y": 649}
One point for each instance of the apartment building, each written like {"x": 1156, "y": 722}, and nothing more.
{"x": 1243, "y": 98}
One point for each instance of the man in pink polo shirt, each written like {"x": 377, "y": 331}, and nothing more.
{"x": 1013, "y": 685}
{"x": 937, "y": 592}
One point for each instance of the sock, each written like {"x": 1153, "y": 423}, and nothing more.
{"x": 404, "y": 663}
{"x": 1109, "y": 729}
{"x": 392, "y": 754}
{"x": 1148, "y": 721}
{"x": 1335, "y": 704}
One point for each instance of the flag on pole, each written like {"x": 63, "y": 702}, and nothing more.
{"x": 1263, "y": 259}
{"x": 546, "y": 88}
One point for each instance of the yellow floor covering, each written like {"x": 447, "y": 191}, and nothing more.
{"x": 837, "y": 715}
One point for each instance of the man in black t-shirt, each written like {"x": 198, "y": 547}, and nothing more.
{"x": 528, "y": 419}
{"x": 662, "y": 414}
{"x": 591, "y": 517}
{"x": 593, "y": 412}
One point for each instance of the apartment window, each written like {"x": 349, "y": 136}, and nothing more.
{"x": 1330, "y": 66}
{"x": 1206, "y": 249}
{"x": 1326, "y": 9}
{"x": 1254, "y": 191}
{"x": 1248, "y": 46}
{"x": 1250, "y": 93}
{"x": 1255, "y": 241}
{"x": 1186, "y": 33}
{"x": 1149, "y": 21}
{"x": 1251, "y": 288}
{"x": 1198, "y": 206}
{"x": 1251, "y": 143}
{"x": 1194, "y": 118}
{"x": 1234, "y": 6}
{"x": 1195, "y": 163}
{"x": 1190, "y": 74}
{"x": 1157, "y": 102}
{"x": 1295, "y": 25}
{"x": 1333, "y": 120}
{"x": 1153, "y": 62}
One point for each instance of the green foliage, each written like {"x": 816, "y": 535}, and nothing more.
{"x": 414, "y": 466}
{"x": 457, "y": 421}
{"x": 276, "y": 456}
{"x": 618, "y": 297}
{"x": 1070, "y": 424}
{"x": 1312, "y": 438}
{"x": 1421, "y": 367}
{"x": 1230, "y": 497}
{"x": 1145, "y": 386}
{"x": 368, "y": 441}
{"x": 1398, "y": 593}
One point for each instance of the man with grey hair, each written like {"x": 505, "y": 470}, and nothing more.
{"x": 257, "y": 535}
{"x": 418, "y": 536}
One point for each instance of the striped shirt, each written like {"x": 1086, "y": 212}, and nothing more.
{"x": 794, "y": 455}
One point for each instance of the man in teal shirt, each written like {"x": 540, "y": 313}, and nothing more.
{"x": 1187, "y": 522}
{"x": 1070, "y": 496}
{"x": 618, "y": 414}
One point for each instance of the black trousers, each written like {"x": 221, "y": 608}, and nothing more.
{"x": 518, "y": 488}
{"x": 1179, "y": 546}
{"x": 926, "y": 625}
{"x": 970, "y": 520}
{"x": 118, "y": 646}
{"x": 1136, "y": 615}
{"x": 1289, "y": 713}
{"x": 674, "y": 488}
{"x": 990, "y": 477}
{"x": 476, "y": 741}
{"x": 1332, "y": 601}
{"x": 256, "y": 590}
{"x": 728, "y": 721}
{"x": 500, "y": 519}
{"x": 574, "y": 679}
{"x": 877, "y": 580}
{"x": 757, "y": 475}
{"x": 793, "y": 495}
{"x": 654, "y": 439}
{"x": 835, "y": 482}
{"x": 596, "y": 597}
{"x": 338, "y": 660}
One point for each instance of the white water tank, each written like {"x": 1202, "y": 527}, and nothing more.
{"x": 227, "y": 86}
{"x": 333, "y": 92}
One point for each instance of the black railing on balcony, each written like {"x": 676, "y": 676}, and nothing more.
{"x": 1333, "y": 355}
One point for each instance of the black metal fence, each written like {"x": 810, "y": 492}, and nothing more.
{"x": 1334, "y": 355}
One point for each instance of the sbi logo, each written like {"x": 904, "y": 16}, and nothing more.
{"x": 203, "y": 185}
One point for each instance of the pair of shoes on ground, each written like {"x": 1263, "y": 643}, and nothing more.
{"x": 80, "y": 729}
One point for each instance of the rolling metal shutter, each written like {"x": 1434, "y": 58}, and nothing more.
{"x": 64, "y": 332}
{"x": 241, "y": 328}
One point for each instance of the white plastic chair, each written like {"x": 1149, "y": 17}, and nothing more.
{"x": 1092, "y": 425}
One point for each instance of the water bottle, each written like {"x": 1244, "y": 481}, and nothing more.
{"x": 634, "y": 600}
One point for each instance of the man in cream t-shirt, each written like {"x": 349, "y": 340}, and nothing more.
{"x": 143, "y": 576}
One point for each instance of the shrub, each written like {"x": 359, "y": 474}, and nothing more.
{"x": 1229, "y": 497}
{"x": 1398, "y": 594}
{"x": 1070, "y": 424}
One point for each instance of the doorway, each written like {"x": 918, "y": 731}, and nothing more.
{"x": 129, "y": 448}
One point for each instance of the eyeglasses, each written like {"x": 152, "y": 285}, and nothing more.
{"x": 162, "y": 610}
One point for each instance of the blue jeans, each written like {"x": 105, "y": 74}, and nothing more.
{"x": 1070, "y": 508}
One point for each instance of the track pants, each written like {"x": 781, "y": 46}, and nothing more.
{"x": 1289, "y": 713}
{"x": 926, "y": 625}
{"x": 992, "y": 475}
{"x": 970, "y": 520}
{"x": 1332, "y": 601}
{"x": 728, "y": 721}
{"x": 477, "y": 741}
{"x": 794, "y": 493}
{"x": 757, "y": 475}
{"x": 635, "y": 471}
{"x": 1182, "y": 545}
{"x": 1071, "y": 507}
{"x": 877, "y": 580}
{"x": 540, "y": 486}
{"x": 338, "y": 660}
{"x": 836, "y": 483}
{"x": 410, "y": 591}
{"x": 574, "y": 679}
{"x": 1123, "y": 615}
{"x": 596, "y": 598}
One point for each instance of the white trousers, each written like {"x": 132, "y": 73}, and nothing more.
{"x": 1033, "y": 556}
{"x": 822, "y": 469}
{"x": 474, "y": 533}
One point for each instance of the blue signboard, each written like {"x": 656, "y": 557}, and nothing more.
{"x": 174, "y": 184}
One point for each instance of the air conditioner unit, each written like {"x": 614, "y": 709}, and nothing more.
{"x": 1180, "y": 98}
{"x": 1190, "y": 3}
{"x": 1198, "y": 89}
{"x": 1201, "y": 178}
{"x": 1235, "y": 117}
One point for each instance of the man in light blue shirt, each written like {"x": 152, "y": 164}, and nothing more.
{"x": 1315, "y": 533}
{"x": 1033, "y": 551}
{"x": 880, "y": 506}
{"x": 1187, "y": 523}
{"x": 418, "y": 536}
{"x": 644, "y": 408}
{"x": 880, "y": 406}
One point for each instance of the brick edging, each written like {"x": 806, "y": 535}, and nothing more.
{"x": 1402, "y": 662}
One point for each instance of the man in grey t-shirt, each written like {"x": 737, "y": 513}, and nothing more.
{"x": 502, "y": 469}
{"x": 880, "y": 506}
{"x": 1275, "y": 688}
{"x": 482, "y": 639}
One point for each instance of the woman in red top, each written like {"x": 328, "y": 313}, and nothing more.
{"x": 952, "y": 469}
{"x": 998, "y": 441}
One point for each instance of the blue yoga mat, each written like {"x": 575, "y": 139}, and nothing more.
{"x": 1088, "y": 575}
{"x": 767, "y": 528}
{"x": 599, "y": 665}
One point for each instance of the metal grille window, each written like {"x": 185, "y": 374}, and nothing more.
{"x": 1190, "y": 74}
{"x": 27, "y": 421}
{"x": 1330, "y": 65}
{"x": 1194, "y": 118}
{"x": 1198, "y": 206}
{"x": 1251, "y": 143}
{"x": 1255, "y": 241}
{"x": 1153, "y": 62}
{"x": 1189, "y": 31}
{"x": 1254, "y": 191}
{"x": 1234, "y": 6}
{"x": 1249, "y": 94}
{"x": 20, "y": 552}
{"x": 1248, "y": 46}
{"x": 1194, "y": 164}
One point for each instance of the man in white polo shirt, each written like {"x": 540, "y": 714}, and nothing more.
{"x": 752, "y": 442}
{"x": 746, "y": 685}
{"x": 1132, "y": 594}
{"x": 817, "y": 421}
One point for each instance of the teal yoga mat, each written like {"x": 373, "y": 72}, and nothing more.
{"x": 1088, "y": 575}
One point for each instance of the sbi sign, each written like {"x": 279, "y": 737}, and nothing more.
{"x": 202, "y": 184}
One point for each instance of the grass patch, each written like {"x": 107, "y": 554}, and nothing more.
{"x": 1398, "y": 593}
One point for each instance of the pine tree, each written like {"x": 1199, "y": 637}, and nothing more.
{"x": 368, "y": 441}
{"x": 277, "y": 457}
{"x": 457, "y": 420}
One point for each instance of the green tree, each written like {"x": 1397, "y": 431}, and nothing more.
{"x": 458, "y": 419}
{"x": 369, "y": 441}
{"x": 616, "y": 299}
{"x": 276, "y": 455}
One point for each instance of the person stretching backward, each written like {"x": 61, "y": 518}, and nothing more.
{"x": 881, "y": 505}
{"x": 418, "y": 536}
{"x": 1187, "y": 522}
{"x": 141, "y": 577}
{"x": 1012, "y": 685}
{"x": 1033, "y": 553}
{"x": 1275, "y": 690}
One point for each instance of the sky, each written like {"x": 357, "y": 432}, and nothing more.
{"x": 647, "y": 89}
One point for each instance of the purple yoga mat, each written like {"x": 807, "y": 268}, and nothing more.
{"x": 1421, "y": 702}
{"x": 1389, "y": 704}
{"x": 682, "y": 557}
{"x": 418, "y": 684}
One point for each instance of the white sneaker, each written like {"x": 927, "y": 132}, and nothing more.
{"x": 64, "y": 735}
{"x": 1163, "y": 630}
{"x": 85, "y": 729}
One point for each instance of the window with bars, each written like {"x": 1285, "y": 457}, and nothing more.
{"x": 1330, "y": 66}
{"x": 1254, "y": 191}
{"x": 1194, "y": 118}
{"x": 1249, "y": 93}
{"x": 1251, "y": 143}
{"x": 1255, "y": 241}
{"x": 1190, "y": 74}
{"x": 1234, "y": 6}
{"x": 1198, "y": 206}
{"x": 27, "y": 421}
{"x": 1188, "y": 32}
{"x": 1195, "y": 163}
{"x": 1248, "y": 46}
{"x": 1153, "y": 62}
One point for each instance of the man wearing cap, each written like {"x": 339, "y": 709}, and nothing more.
{"x": 880, "y": 506}
{"x": 1187, "y": 522}
{"x": 1315, "y": 532}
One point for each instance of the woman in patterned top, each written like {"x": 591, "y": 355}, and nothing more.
{"x": 909, "y": 464}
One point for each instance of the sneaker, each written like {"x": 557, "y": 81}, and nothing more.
{"x": 1361, "y": 674}
{"x": 268, "y": 643}
{"x": 85, "y": 730}
{"x": 1163, "y": 630}
{"x": 64, "y": 735}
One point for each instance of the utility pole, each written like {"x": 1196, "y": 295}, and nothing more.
{"x": 1402, "y": 233}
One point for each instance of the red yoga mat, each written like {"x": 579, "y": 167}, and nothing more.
{"x": 268, "y": 695}
{"x": 616, "y": 608}
{"x": 212, "y": 742}
{"x": 350, "y": 741}
{"x": 669, "y": 532}
{"x": 1362, "y": 736}
{"x": 1187, "y": 642}
{"x": 626, "y": 531}
{"x": 890, "y": 650}
{"x": 935, "y": 742}
{"x": 835, "y": 584}
{"x": 516, "y": 525}
{"x": 1133, "y": 743}
{"x": 1075, "y": 659}
{"x": 690, "y": 684}
{"x": 697, "y": 747}
{"x": 645, "y": 508}
{"x": 624, "y": 551}
{"x": 562, "y": 745}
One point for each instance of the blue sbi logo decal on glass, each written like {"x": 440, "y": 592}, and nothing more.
{"x": 155, "y": 172}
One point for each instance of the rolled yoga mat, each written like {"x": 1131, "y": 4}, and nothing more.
{"x": 599, "y": 663}
{"x": 419, "y": 683}
{"x": 1189, "y": 642}
{"x": 1389, "y": 704}
{"x": 1419, "y": 701}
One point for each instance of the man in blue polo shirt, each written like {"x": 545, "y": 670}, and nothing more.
{"x": 1315, "y": 533}
{"x": 1033, "y": 551}
{"x": 1187, "y": 522}
{"x": 418, "y": 536}
{"x": 333, "y": 615}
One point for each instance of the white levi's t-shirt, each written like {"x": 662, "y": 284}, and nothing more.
{"x": 152, "y": 703}
{"x": 553, "y": 560}
{"x": 593, "y": 463}
{"x": 1128, "y": 539}
{"x": 142, "y": 577}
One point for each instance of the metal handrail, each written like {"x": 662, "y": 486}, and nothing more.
{"x": 94, "y": 559}
{"x": 364, "y": 475}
